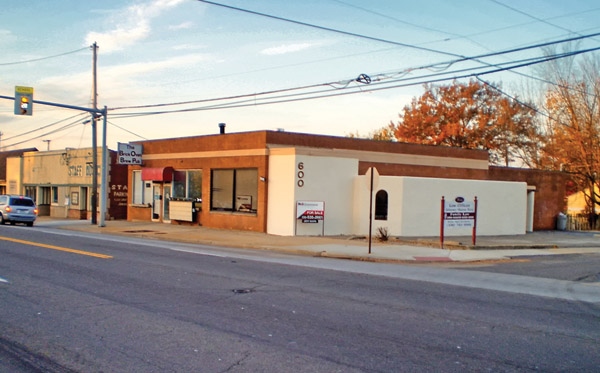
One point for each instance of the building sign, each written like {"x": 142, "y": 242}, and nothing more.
{"x": 310, "y": 211}
{"x": 118, "y": 195}
{"x": 129, "y": 154}
{"x": 459, "y": 213}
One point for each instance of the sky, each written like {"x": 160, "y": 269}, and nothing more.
{"x": 331, "y": 67}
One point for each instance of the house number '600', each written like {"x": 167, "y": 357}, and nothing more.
{"x": 300, "y": 174}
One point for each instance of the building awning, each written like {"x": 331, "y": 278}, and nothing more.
{"x": 157, "y": 174}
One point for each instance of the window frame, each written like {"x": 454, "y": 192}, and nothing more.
{"x": 229, "y": 195}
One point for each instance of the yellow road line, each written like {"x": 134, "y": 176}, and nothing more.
{"x": 59, "y": 248}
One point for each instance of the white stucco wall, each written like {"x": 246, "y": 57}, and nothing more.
{"x": 414, "y": 206}
{"x": 303, "y": 177}
{"x": 281, "y": 184}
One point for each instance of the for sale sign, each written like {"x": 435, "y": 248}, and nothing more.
{"x": 310, "y": 211}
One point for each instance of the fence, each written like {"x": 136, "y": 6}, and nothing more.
{"x": 582, "y": 222}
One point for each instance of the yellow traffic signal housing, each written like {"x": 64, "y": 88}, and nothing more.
{"x": 23, "y": 100}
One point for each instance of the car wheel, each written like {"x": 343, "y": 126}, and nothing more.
{"x": 30, "y": 224}
{"x": 12, "y": 223}
{"x": 2, "y": 219}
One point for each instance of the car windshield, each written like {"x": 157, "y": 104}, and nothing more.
{"x": 21, "y": 202}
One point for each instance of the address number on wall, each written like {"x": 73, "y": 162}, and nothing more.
{"x": 300, "y": 174}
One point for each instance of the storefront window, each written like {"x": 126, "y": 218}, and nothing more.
{"x": 31, "y": 192}
{"x": 54, "y": 194}
{"x": 187, "y": 184}
{"x": 138, "y": 187}
{"x": 234, "y": 190}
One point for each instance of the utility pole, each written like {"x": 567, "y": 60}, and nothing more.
{"x": 47, "y": 144}
{"x": 94, "y": 137}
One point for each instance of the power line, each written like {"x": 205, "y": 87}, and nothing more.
{"x": 347, "y": 33}
{"x": 533, "y": 17}
{"x": 461, "y": 57}
{"x": 376, "y": 86}
{"x": 44, "y": 127}
{"x": 345, "y": 83}
{"x": 42, "y": 58}
{"x": 125, "y": 130}
{"x": 65, "y": 127}
{"x": 422, "y": 27}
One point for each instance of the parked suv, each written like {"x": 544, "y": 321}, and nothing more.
{"x": 17, "y": 209}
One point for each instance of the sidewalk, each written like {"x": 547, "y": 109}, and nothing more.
{"x": 415, "y": 249}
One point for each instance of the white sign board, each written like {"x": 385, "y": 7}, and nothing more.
{"x": 129, "y": 154}
{"x": 243, "y": 203}
{"x": 310, "y": 211}
{"x": 459, "y": 213}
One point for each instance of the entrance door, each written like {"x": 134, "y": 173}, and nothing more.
{"x": 167, "y": 197}
{"x": 83, "y": 201}
{"x": 156, "y": 202}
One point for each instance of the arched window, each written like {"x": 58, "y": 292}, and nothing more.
{"x": 381, "y": 205}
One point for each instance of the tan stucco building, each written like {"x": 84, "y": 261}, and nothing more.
{"x": 60, "y": 181}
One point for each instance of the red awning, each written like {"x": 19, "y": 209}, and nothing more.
{"x": 157, "y": 174}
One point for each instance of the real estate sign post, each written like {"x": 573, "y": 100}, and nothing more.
{"x": 458, "y": 213}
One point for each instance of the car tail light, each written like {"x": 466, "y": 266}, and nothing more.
{"x": 8, "y": 209}
{"x": 35, "y": 211}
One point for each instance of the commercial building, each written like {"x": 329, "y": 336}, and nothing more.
{"x": 300, "y": 184}
{"x": 61, "y": 181}
{"x": 3, "y": 159}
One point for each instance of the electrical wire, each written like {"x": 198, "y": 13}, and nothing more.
{"x": 418, "y": 26}
{"x": 370, "y": 88}
{"x": 533, "y": 17}
{"x": 343, "y": 84}
{"x": 323, "y": 28}
{"x": 63, "y": 128}
{"x": 126, "y": 130}
{"x": 44, "y": 127}
{"x": 413, "y": 46}
{"x": 42, "y": 58}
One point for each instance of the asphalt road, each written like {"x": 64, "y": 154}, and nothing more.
{"x": 571, "y": 267}
{"x": 73, "y": 302}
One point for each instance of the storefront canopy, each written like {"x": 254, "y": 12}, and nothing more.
{"x": 157, "y": 174}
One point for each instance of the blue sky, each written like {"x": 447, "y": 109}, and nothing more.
{"x": 169, "y": 51}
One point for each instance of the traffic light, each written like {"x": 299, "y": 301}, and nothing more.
{"x": 23, "y": 100}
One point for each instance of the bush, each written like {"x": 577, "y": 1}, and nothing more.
{"x": 383, "y": 234}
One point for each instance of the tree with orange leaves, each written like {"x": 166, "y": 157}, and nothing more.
{"x": 572, "y": 144}
{"x": 473, "y": 116}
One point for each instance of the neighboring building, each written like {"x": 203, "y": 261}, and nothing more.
{"x": 3, "y": 158}
{"x": 60, "y": 181}
{"x": 263, "y": 181}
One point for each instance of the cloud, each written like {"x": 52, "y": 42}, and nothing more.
{"x": 7, "y": 37}
{"x": 118, "y": 84}
{"x": 130, "y": 25}
{"x": 181, "y": 26}
{"x": 286, "y": 48}
{"x": 187, "y": 47}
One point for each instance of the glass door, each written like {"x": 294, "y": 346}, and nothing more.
{"x": 166, "y": 199}
{"x": 156, "y": 205}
